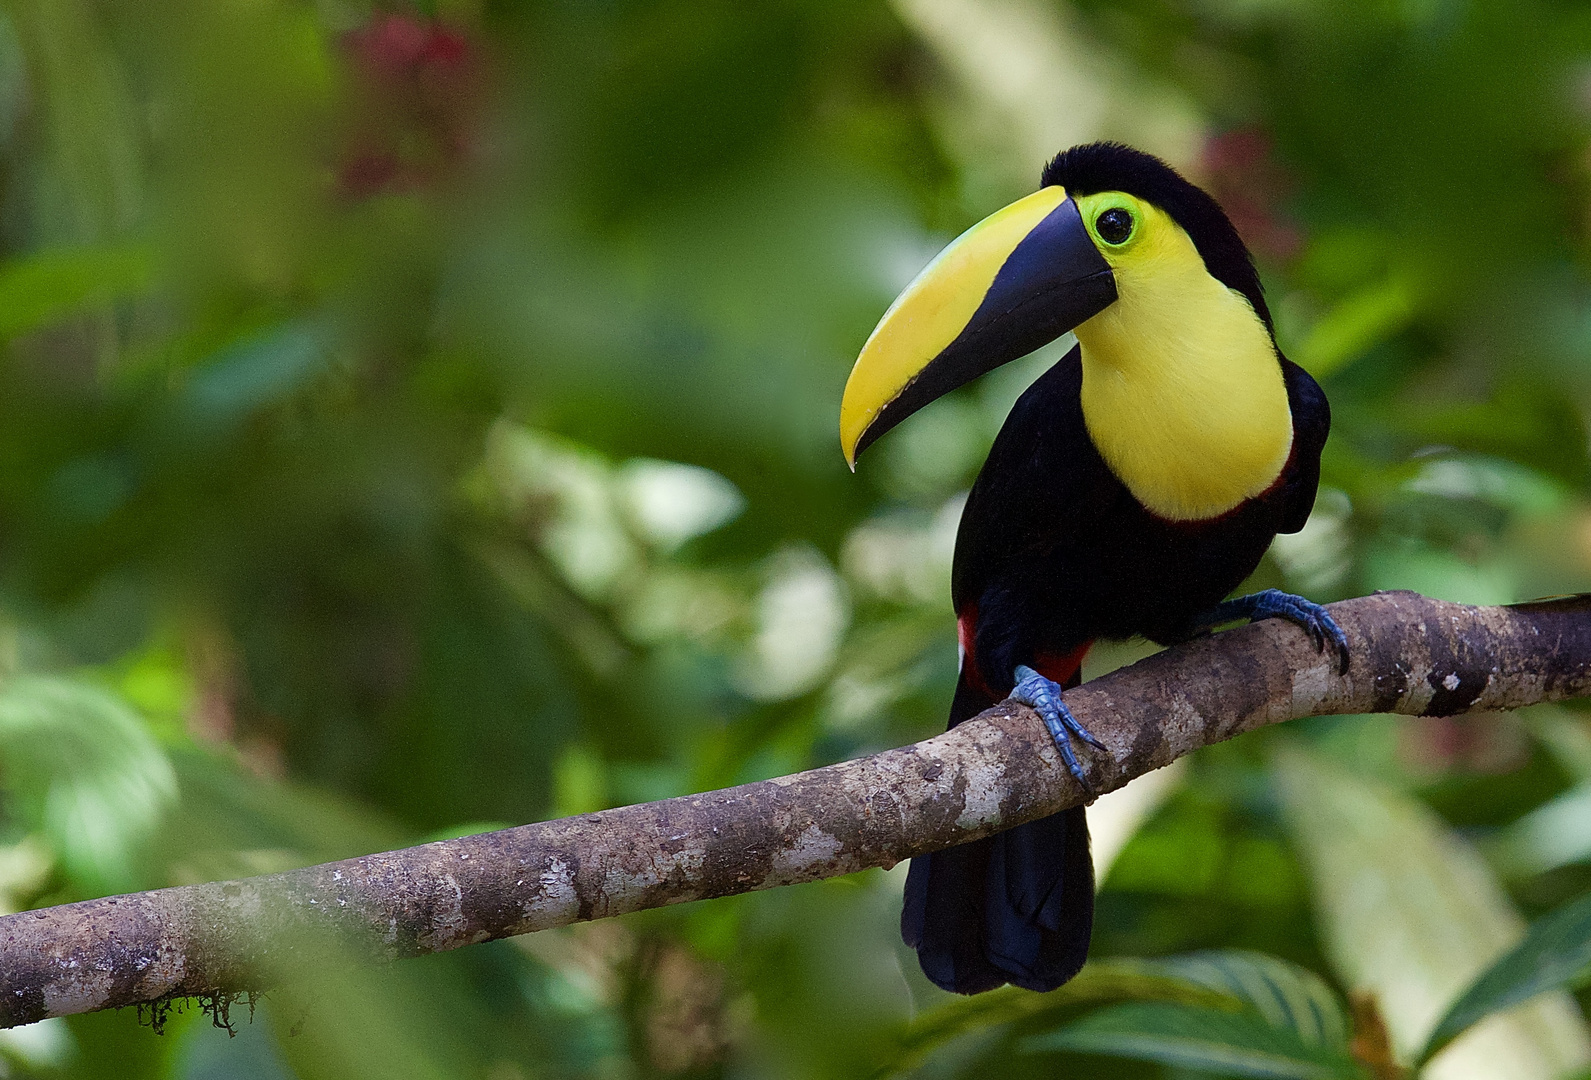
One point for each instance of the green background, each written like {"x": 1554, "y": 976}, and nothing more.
{"x": 418, "y": 419}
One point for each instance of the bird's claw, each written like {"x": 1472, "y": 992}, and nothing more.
{"x": 1315, "y": 620}
{"x": 1043, "y": 696}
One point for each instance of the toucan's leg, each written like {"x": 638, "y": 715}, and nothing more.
{"x": 1275, "y": 604}
{"x": 1044, "y": 697}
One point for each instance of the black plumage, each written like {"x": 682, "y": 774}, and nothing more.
{"x": 1053, "y": 553}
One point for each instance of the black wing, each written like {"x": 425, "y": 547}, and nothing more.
{"x": 1311, "y": 424}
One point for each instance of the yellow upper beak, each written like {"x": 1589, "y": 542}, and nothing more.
{"x": 998, "y": 292}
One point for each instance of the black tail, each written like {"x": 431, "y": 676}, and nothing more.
{"x": 1016, "y": 907}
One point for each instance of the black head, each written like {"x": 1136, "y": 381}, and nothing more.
{"x": 1107, "y": 166}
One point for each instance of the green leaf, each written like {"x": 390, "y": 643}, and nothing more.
{"x": 1099, "y": 981}
{"x": 1286, "y": 1022}
{"x": 1410, "y": 913}
{"x": 1359, "y": 322}
{"x": 1286, "y": 996}
{"x": 86, "y": 769}
{"x": 1555, "y": 953}
{"x": 1225, "y": 1043}
{"x": 261, "y": 369}
{"x": 1556, "y": 833}
{"x": 48, "y": 286}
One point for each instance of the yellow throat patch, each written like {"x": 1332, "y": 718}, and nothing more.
{"x": 1182, "y": 391}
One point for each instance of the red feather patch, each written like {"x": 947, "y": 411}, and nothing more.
{"x": 1061, "y": 668}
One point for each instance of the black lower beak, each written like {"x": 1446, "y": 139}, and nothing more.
{"x": 1053, "y": 280}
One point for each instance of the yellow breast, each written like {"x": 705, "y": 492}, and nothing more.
{"x": 1182, "y": 392}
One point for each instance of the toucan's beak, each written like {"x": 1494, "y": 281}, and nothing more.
{"x": 1015, "y": 281}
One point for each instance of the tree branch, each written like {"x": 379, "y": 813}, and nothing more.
{"x": 1410, "y": 655}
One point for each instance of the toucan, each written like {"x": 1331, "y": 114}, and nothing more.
{"x": 1132, "y": 488}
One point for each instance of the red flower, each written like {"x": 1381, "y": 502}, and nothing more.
{"x": 1251, "y": 186}
{"x": 417, "y": 92}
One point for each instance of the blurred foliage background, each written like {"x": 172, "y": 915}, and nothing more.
{"x": 420, "y": 418}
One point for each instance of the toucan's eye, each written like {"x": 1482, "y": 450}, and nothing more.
{"x": 1114, "y": 225}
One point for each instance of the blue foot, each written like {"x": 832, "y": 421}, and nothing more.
{"x": 1044, "y": 697}
{"x": 1275, "y": 604}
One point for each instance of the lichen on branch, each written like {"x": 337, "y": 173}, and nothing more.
{"x": 1410, "y": 654}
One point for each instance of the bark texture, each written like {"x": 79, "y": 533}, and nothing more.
{"x": 1410, "y": 654}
